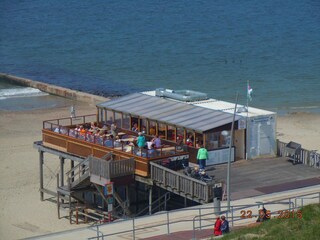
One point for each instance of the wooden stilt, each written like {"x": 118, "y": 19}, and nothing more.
{"x": 61, "y": 171}
{"x": 150, "y": 200}
{"x": 70, "y": 210}
{"x": 127, "y": 196}
{"x": 58, "y": 204}
{"x": 136, "y": 197}
{"x": 41, "y": 174}
{"x": 72, "y": 173}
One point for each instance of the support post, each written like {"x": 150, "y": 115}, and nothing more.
{"x": 41, "y": 174}
{"x": 70, "y": 210}
{"x": 127, "y": 196}
{"x": 230, "y": 148}
{"x": 58, "y": 204}
{"x": 150, "y": 200}
{"x": 58, "y": 197}
{"x": 61, "y": 171}
{"x": 72, "y": 173}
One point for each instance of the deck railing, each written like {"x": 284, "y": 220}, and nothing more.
{"x": 181, "y": 184}
{"x": 111, "y": 169}
{"x": 69, "y": 121}
{"x": 307, "y": 157}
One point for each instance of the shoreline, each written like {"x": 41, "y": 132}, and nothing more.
{"x": 91, "y": 98}
{"x": 54, "y": 90}
{"x": 287, "y": 121}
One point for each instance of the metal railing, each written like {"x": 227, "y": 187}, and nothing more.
{"x": 65, "y": 126}
{"x": 162, "y": 201}
{"x": 203, "y": 218}
{"x": 307, "y": 157}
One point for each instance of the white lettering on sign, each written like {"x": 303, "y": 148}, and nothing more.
{"x": 178, "y": 158}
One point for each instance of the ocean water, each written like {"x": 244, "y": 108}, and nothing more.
{"x": 118, "y": 47}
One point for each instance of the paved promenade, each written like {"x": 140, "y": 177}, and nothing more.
{"x": 181, "y": 225}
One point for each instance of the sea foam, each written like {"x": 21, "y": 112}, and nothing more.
{"x": 20, "y": 92}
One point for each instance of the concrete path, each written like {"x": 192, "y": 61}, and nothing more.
{"x": 181, "y": 225}
{"x": 252, "y": 182}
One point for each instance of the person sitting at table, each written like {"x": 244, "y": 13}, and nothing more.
{"x": 152, "y": 152}
{"x": 179, "y": 143}
{"x": 93, "y": 127}
{"x": 82, "y": 131}
{"x": 144, "y": 129}
{"x": 189, "y": 141}
{"x": 135, "y": 127}
{"x": 109, "y": 141}
{"x": 129, "y": 147}
{"x": 157, "y": 141}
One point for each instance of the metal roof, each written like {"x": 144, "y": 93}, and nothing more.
{"x": 171, "y": 112}
{"x": 227, "y": 107}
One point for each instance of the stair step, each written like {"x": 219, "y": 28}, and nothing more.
{"x": 64, "y": 190}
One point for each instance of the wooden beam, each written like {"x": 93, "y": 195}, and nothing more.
{"x": 41, "y": 173}
{"x": 61, "y": 171}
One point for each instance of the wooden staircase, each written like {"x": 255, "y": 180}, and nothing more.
{"x": 71, "y": 195}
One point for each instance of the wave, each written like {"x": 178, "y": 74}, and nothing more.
{"x": 20, "y": 92}
{"x": 305, "y": 107}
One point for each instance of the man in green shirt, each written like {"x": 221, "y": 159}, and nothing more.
{"x": 202, "y": 157}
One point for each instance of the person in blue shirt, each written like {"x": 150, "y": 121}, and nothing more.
{"x": 224, "y": 225}
{"x": 141, "y": 141}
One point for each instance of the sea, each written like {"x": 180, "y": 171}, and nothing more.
{"x": 117, "y": 47}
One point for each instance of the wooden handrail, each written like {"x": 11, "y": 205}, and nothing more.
{"x": 188, "y": 185}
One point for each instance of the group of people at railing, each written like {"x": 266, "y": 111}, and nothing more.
{"x": 111, "y": 136}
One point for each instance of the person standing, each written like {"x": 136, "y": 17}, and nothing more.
{"x": 141, "y": 141}
{"x": 114, "y": 130}
{"x": 202, "y": 157}
{"x": 217, "y": 227}
{"x": 224, "y": 225}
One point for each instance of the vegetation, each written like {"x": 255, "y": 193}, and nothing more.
{"x": 308, "y": 227}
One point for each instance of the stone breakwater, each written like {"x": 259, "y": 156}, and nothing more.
{"x": 54, "y": 90}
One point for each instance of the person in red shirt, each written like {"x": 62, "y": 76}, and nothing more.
{"x": 217, "y": 227}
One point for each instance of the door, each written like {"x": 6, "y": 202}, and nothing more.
{"x": 239, "y": 143}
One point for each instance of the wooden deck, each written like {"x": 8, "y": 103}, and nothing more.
{"x": 60, "y": 135}
{"x": 81, "y": 147}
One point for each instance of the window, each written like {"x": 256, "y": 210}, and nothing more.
{"x": 171, "y": 135}
{"x": 118, "y": 119}
{"x": 126, "y": 121}
{"x": 152, "y": 128}
{"x": 162, "y": 130}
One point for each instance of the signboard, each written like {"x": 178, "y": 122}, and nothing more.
{"x": 108, "y": 189}
{"x": 110, "y": 207}
{"x": 220, "y": 156}
{"x": 179, "y": 158}
{"x": 242, "y": 123}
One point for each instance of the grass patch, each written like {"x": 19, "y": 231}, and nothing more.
{"x": 308, "y": 227}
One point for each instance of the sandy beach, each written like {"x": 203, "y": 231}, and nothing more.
{"x": 303, "y": 128}
{"x": 22, "y": 212}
